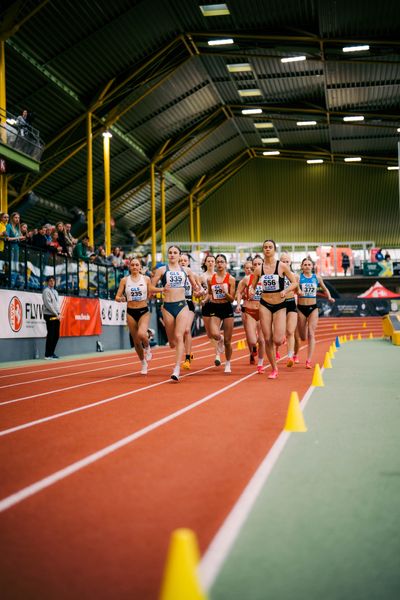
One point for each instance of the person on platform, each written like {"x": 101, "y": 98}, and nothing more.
{"x": 52, "y": 316}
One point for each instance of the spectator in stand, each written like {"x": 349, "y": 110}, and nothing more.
{"x": 379, "y": 255}
{"x": 48, "y": 232}
{"x": 54, "y": 245}
{"x": 61, "y": 236}
{"x": 3, "y": 226}
{"x": 14, "y": 236}
{"x": 39, "y": 239}
{"x": 52, "y": 316}
{"x": 81, "y": 249}
{"x": 69, "y": 239}
{"x": 25, "y": 233}
{"x": 115, "y": 258}
{"x": 102, "y": 259}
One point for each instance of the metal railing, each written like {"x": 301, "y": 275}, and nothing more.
{"x": 20, "y": 136}
{"x": 24, "y": 267}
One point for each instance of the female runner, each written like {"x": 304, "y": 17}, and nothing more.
{"x": 307, "y": 305}
{"x": 184, "y": 261}
{"x": 251, "y": 314}
{"x": 135, "y": 289}
{"x": 221, "y": 290}
{"x": 209, "y": 269}
{"x": 291, "y": 313}
{"x": 271, "y": 275}
{"x": 175, "y": 311}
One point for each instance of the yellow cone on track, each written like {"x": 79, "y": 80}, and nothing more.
{"x": 364, "y": 325}
{"x": 359, "y": 336}
{"x": 331, "y": 351}
{"x": 181, "y": 581}
{"x": 334, "y": 327}
{"x": 351, "y": 337}
{"x": 371, "y": 336}
{"x": 317, "y": 380}
{"x": 294, "y": 418}
{"x": 327, "y": 361}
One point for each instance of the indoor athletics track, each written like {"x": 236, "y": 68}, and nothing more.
{"x": 100, "y": 464}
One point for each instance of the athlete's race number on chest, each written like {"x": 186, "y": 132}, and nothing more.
{"x": 175, "y": 279}
{"x": 136, "y": 292}
{"x": 219, "y": 291}
{"x": 270, "y": 283}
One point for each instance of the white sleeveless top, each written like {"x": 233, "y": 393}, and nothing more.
{"x": 136, "y": 291}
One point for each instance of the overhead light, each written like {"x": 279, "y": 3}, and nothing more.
{"x": 392, "y": 168}
{"x": 271, "y": 153}
{"x": 398, "y": 130}
{"x": 353, "y": 159}
{"x": 315, "y": 161}
{"x": 265, "y": 125}
{"x": 270, "y": 140}
{"x": 355, "y": 118}
{"x": 239, "y": 68}
{"x": 214, "y": 10}
{"x": 305, "y": 123}
{"x": 107, "y": 134}
{"x": 251, "y": 111}
{"x": 355, "y": 48}
{"x": 250, "y": 92}
{"x": 293, "y": 59}
{"x": 220, "y": 42}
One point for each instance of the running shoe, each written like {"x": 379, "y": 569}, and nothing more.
{"x": 147, "y": 353}
{"x": 143, "y": 370}
{"x": 260, "y": 369}
{"x": 227, "y": 367}
{"x": 217, "y": 361}
{"x": 48, "y": 358}
{"x": 308, "y": 364}
{"x": 290, "y": 361}
{"x": 186, "y": 365}
{"x": 273, "y": 374}
{"x": 296, "y": 359}
{"x": 55, "y": 357}
{"x": 277, "y": 355}
{"x": 252, "y": 359}
{"x": 220, "y": 346}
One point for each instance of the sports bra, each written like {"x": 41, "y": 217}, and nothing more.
{"x": 273, "y": 283}
{"x": 174, "y": 279}
{"x": 135, "y": 291}
{"x": 217, "y": 291}
{"x": 257, "y": 291}
{"x": 308, "y": 286}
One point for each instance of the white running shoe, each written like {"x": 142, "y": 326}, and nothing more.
{"x": 220, "y": 346}
{"x": 147, "y": 353}
{"x": 175, "y": 373}
{"x": 217, "y": 361}
{"x": 143, "y": 370}
{"x": 227, "y": 367}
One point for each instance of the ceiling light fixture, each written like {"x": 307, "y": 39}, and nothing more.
{"x": 398, "y": 130}
{"x": 220, "y": 42}
{"x": 392, "y": 168}
{"x": 249, "y": 92}
{"x": 305, "y": 123}
{"x": 355, "y": 48}
{"x": 289, "y": 59}
{"x": 251, "y": 111}
{"x": 107, "y": 134}
{"x": 239, "y": 68}
{"x": 265, "y": 125}
{"x": 214, "y": 10}
{"x": 271, "y": 153}
{"x": 353, "y": 159}
{"x": 270, "y": 140}
{"x": 355, "y": 118}
{"x": 315, "y": 161}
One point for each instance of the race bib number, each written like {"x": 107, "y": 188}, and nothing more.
{"x": 270, "y": 283}
{"x": 175, "y": 279}
{"x": 218, "y": 292}
{"x": 136, "y": 293}
{"x": 309, "y": 289}
{"x": 257, "y": 293}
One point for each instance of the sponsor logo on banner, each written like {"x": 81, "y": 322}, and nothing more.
{"x": 112, "y": 312}
{"x": 80, "y": 316}
{"x": 15, "y": 314}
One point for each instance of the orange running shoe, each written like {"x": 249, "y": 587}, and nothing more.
{"x": 273, "y": 374}
{"x": 290, "y": 362}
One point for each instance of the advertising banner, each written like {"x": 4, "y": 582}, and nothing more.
{"x": 21, "y": 315}
{"x": 112, "y": 313}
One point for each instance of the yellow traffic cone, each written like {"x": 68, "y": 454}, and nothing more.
{"x": 351, "y": 337}
{"x": 239, "y": 345}
{"x": 327, "y": 361}
{"x": 345, "y": 338}
{"x": 331, "y": 352}
{"x": 334, "y": 327}
{"x": 371, "y": 336}
{"x": 317, "y": 380}
{"x": 359, "y": 336}
{"x": 294, "y": 418}
{"x": 364, "y": 325}
{"x": 181, "y": 581}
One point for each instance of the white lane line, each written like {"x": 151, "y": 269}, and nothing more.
{"x": 46, "y": 482}
{"x": 104, "y": 401}
{"x": 222, "y": 543}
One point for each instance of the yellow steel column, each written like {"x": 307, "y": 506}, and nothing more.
{"x": 89, "y": 180}
{"x": 3, "y": 116}
{"x": 163, "y": 221}
{"x": 191, "y": 222}
{"x": 107, "y": 203}
{"x": 153, "y": 215}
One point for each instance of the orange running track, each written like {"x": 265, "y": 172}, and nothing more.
{"x": 99, "y": 464}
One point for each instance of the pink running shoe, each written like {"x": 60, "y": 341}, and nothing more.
{"x": 308, "y": 364}
{"x": 290, "y": 362}
{"x": 296, "y": 359}
{"x": 260, "y": 369}
{"x": 277, "y": 355}
{"x": 273, "y": 374}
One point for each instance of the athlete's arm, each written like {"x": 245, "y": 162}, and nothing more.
{"x": 325, "y": 289}
{"x": 157, "y": 275}
{"x": 193, "y": 281}
{"x": 292, "y": 278}
{"x": 151, "y": 289}
{"x": 256, "y": 278}
{"x": 230, "y": 295}
{"x": 120, "y": 296}
{"x": 240, "y": 290}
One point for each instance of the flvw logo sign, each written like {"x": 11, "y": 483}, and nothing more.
{"x": 15, "y": 314}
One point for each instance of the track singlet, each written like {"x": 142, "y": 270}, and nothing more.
{"x": 309, "y": 286}
{"x": 135, "y": 291}
{"x": 218, "y": 289}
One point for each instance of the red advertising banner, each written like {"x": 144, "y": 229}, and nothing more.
{"x": 80, "y": 316}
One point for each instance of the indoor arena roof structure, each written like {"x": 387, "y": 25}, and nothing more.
{"x": 196, "y": 89}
